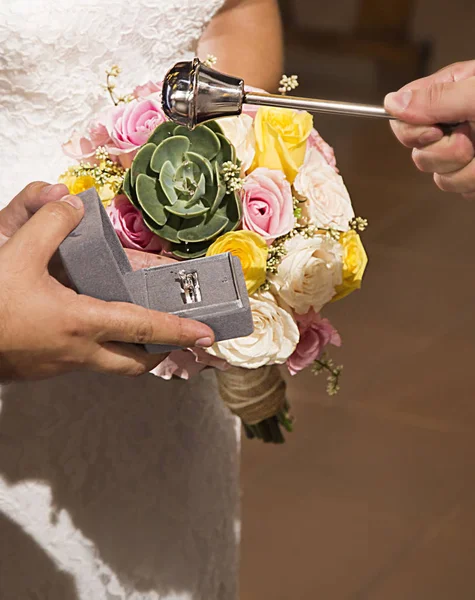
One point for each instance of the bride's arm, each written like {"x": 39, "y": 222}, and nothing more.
{"x": 246, "y": 38}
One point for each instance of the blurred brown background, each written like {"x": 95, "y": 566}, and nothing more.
{"x": 373, "y": 496}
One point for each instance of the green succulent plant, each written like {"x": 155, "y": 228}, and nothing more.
{"x": 176, "y": 181}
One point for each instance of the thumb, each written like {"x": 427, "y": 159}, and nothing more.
{"x": 35, "y": 242}
{"x": 445, "y": 102}
{"x": 26, "y": 203}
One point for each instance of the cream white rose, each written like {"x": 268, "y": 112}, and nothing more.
{"x": 309, "y": 273}
{"x": 274, "y": 338}
{"x": 240, "y": 132}
{"x": 328, "y": 203}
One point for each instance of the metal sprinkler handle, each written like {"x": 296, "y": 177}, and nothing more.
{"x": 193, "y": 93}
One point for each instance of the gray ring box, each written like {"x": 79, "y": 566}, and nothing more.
{"x": 97, "y": 266}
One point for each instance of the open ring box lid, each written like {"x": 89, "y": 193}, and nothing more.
{"x": 98, "y": 266}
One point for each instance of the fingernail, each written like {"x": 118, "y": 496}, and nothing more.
{"x": 431, "y": 136}
{"x": 205, "y": 342}
{"x": 73, "y": 201}
{"x": 54, "y": 192}
{"x": 398, "y": 101}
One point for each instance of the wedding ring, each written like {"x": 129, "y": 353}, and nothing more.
{"x": 190, "y": 287}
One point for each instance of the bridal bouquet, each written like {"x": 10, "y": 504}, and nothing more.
{"x": 263, "y": 186}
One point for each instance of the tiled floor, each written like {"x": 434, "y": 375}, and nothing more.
{"x": 373, "y": 496}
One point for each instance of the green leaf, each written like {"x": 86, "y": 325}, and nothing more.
{"x": 141, "y": 163}
{"x": 167, "y": 180}
{"x": 214, "y": 126}
{"x": 220, "y": 191}
{"x": 210, "y": 195}
{"x": 169, "y": 231}
{"x": 187, "y": 171}
{"x": 203, "y": 164}
{"x": 170, "y": 150}
{"x": 234, "y": 208}
{"x": 148, "y": 196}
{"x": 231, "y": 208}
{"x": 188, "y": 251}
{"x": 227, "y": 152}
{"x": 182, "y": 209}
{"x": 202, "y": 228}
{"x": 200, "y": 190}
{"x": 129, "y": 190}
{"x": 162, "y": 132}
{"x": 203, "y": 141}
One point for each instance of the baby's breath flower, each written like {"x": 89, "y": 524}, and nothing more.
{"x": 106, "y": 173}
{"x": 334, "y": 234}
{"x": 102, "y": 153}
{"x": 298, "y": 208}
{"x": 359, "y": 224}
{"x": 114, "y": 71}
{"x": 210, "y": 61}
{"x": 274, "y": 257}
{"x": 287, "y": 84}
{"x": 325, "y": 363}
{"x": 125, "y": 99}
{"x": 265, "y": 287}
{"x": 232, "y": 177}
{"x": 277, "y": 250}
{"x": 297, "y": 212}
{"x": 110, "y": 86}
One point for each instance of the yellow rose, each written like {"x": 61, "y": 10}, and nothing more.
{"x": 252, "y": 251}
{"x": 106, "y": 194}
{"x": 281, "y": 139}
{"x": 354, "y": 264}
{"x": 77, "y": 184}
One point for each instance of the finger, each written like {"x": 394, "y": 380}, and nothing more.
{"x": 145, "y": 260}
{"x": 416, "y": 136}
{"x": 451, "y": 102}
{"x": 122, "y": 322}
{"x": 27, "y": 203}
{"x": 122, "y": 359}
{"x": 35, "y": 243}
{"x": 454, "y": 72}
{"x": 460, "y": 182}
{"x": 452, "y": 153}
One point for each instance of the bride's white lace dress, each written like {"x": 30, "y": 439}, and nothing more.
{"x": 110, "y": 488}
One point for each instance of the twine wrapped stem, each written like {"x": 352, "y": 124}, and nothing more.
{"x": 254, "y": 395}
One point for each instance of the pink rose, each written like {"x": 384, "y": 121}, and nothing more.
{"x": 84, "y": 147}
{"x": 99, "y": 134}
{"x": 79, "y": 147}
{"x": 188, "y": 363}
{"x": 131, "y": 229}
{"x": 315, "y": 334}
{"x": 131, "y": 124}
{"x": 267, "y": 204}
{"x": 142, "y": 91}
{"x": 316, "y": 141}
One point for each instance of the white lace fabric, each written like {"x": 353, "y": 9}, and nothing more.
{"x": 52, "y": 69}
{"x": 110, "y": 489}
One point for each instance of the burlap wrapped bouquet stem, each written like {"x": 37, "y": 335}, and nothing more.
{"x": 254, "y": 395}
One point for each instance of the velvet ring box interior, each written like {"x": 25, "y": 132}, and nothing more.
{"x": 211, "y": 289}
